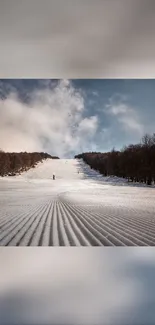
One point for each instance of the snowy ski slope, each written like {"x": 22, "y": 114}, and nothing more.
{"x": 79, "y": 208}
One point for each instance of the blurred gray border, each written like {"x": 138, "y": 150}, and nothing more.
{"x": 77, "y": 39}
{"x": 101, "y": 286}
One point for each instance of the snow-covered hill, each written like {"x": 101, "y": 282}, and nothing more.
{"x": 79, "y": 207}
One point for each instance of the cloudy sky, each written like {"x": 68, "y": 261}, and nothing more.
{"x": 65, "y": 117}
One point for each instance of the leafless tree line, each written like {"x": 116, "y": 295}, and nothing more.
{"x": 13, "y": 163}
{"x": 135, "y": 162}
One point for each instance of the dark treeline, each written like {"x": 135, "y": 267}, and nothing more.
{"x": 13, "y": 163}
{"x": 134, "y": 162}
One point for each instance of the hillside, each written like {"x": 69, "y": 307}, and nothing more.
{"x": 78, "y": 208}
{"x": 16, "y": 163}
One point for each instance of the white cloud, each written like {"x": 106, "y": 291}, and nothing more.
{"x": 131, "y": 123}
{"x": 126, "y": 116}
{"x": 119, "y": 109}
{"x": 52, "y": 121}
{"x": 89, "y": 125}
{"x": 95, "y": 93}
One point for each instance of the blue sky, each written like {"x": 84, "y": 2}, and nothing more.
{"x": 66, "y": 117}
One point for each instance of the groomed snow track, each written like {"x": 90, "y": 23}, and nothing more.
{"x": 77, "y": 209}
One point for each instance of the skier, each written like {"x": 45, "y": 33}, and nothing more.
{"x": 53, "y": 176}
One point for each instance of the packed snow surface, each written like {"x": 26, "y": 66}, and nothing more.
{"x": 79, "y": 208}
